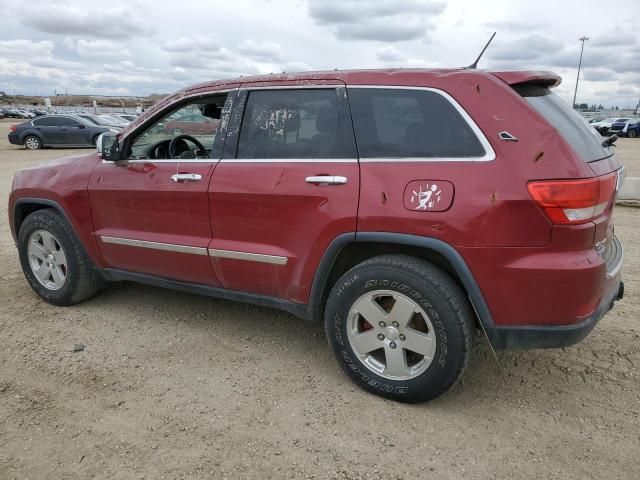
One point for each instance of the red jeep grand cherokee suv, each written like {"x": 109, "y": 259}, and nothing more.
{"x": 405, "y": 208}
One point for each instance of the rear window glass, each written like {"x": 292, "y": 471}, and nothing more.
{"x": 45, "y": 122}
{"x": 67, "y": 122}
{"x": 402, "y": 123}
{"x": 582, "y": 137}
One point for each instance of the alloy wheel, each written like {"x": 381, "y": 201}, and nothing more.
{"x": 47, "y": 259}
{"x": 391, "y": 334}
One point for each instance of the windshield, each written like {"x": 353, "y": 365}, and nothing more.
{"x": 582, "y": 137}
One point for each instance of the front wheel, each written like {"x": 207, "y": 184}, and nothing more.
{"x": 632, "y": 134}
{"x": 53, "y": 260}
{"x": 400, "y": 328}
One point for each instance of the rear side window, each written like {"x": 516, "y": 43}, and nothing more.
{"x": 67, "y": 122}
{"x": 292, "y": 124}
{"x": 45, "y": 122}
{"x": 402, "y": 123}
{"x": 582, "y": 137}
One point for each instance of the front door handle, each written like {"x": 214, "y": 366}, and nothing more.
{"x": 326, "y": 180}
{"x": 186, "y": 177}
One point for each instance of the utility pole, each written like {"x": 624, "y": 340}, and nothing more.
{"x": 575, "y": 93}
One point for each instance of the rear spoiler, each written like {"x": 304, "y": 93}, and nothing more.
{"x": 546, "y": 79}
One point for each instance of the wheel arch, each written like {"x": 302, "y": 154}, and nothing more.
{"x": 25, "y": 206}
{"x": 31, "y": 133}
{"x": 348, "y": 250}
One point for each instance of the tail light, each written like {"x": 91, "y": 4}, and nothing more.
{"x": 571, "y": 202}
{"x": 12, "y": 128}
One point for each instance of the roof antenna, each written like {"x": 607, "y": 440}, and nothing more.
{"x": 475, "y": 64}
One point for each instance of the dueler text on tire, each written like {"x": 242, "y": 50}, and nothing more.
{"x": 53, "y": 260}
{"x": 400, "y": 327}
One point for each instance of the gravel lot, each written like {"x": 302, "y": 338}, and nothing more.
{"x": 172, "y": 385}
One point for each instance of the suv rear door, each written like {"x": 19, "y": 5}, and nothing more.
{"x": 287, "y": 186}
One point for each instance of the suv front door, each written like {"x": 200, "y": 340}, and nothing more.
{"x": 286, "y": 187}
{"x": 150, "y": 210}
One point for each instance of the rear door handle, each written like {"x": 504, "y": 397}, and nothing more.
{"x": 186, "y": 177}
{"x": 326, "y": 180}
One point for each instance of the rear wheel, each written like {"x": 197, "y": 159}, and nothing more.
{"x": 32, "y": 142}
{"x": 53, "y": 260}
{"x": 400, "y": 327}
{"x": 632, "y": 133}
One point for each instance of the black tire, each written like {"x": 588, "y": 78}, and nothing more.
{"x": 32, "y": 142}
{"x": 81, "y": 281}
{"x": 632, "y": 133}
{"x": 435, "y": 293}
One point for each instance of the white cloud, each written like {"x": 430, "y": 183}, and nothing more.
{"x": 263, "y": 51}
{"x": 103, "y": 21}
{"x": 150, "y": 47}
{"x": 378, "y": 20}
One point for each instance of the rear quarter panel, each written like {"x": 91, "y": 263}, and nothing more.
{"x": 491, "y": 205}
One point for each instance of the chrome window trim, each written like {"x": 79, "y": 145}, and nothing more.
{"x": 489, "y": 152}
{"x": 162, "y": 160}
{"x": 292, "y": 87}
{"x": 252, "y": 257}
{"x": 169, "y": 247}
{"x": 289, "y": 160}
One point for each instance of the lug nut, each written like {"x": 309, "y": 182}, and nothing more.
{"x": 392, "y": 345}
{"x": 396, "y": 324}
{"x": 402, "y": 337}
{"x": 380, "y": 337}
{"x": 382, "y": 324}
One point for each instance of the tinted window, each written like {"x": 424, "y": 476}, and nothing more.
{"x": 45, "y": 122}
{"x": 67, "y": 122}
{"x": 582, "y": 137}
{"x": 292, "y": 124}
{"x": 410, "y": 123}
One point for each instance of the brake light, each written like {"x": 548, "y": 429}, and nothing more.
{"x": 12, "y": 128}
{"x": 573, "y": 201}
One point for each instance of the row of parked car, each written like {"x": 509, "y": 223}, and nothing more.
{"x": 622, "y": 127}
{"x": 20, "y": 113}
{"x": 82, "y": 129}
{"x": 77, "y": 130}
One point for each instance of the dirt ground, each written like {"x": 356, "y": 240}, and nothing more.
{"x": 172, "y": 385}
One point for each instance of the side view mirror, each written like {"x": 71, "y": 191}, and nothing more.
{"x": 108, "y": 146}
{"x": 81, "y": 126}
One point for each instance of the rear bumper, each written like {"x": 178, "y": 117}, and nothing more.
{"x": 13, "y": 139}
{"x": 526, "y": 338}
{"x": 555, "y": 336}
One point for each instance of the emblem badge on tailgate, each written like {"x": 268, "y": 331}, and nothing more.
{"x": 428, "y": 195}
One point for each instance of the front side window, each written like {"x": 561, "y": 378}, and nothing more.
{"x": 198, "y": 120}
{"x": 300, "y": 123}
{"x": 402, "y": 123}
